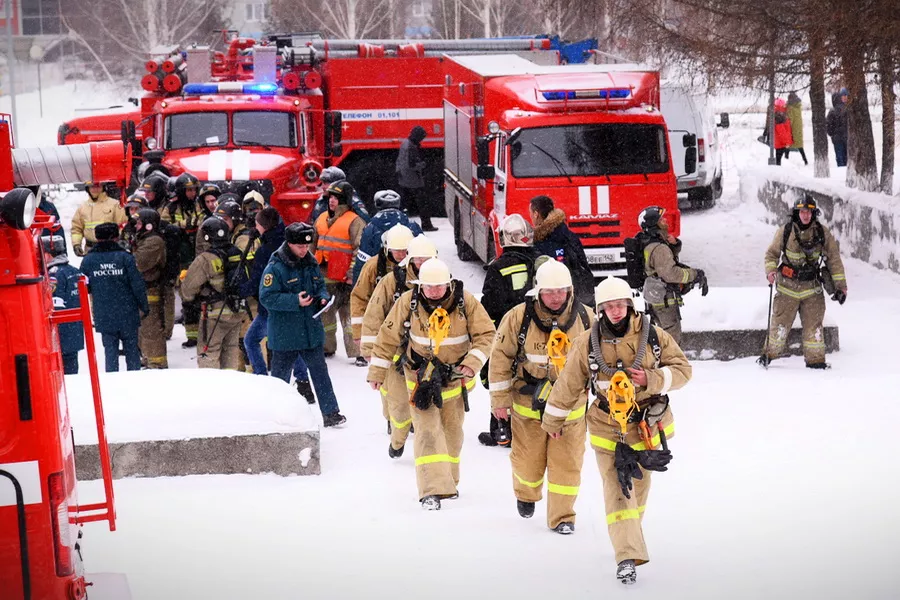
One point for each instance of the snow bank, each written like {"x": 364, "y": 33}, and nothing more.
{"x": 866, "y": 224}
{"x": 729, "y": 309}
{"x": 177, "y": 404}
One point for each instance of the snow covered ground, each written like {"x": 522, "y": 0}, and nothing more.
{"x": 782, "y": 485}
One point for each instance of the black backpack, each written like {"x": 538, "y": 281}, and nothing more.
{"x": 634, "y": 260}
{"x": 235, "y": 277}
{"x": 172, "y": 237}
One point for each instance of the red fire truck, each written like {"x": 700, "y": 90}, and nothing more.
{"x": 40, "y": 511}
{"x": 272, "y": 114}
{"x": 589, "y": 136}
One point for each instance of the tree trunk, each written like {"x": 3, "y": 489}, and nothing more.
{"x": 862, "y": 167}
{"x": 817, "y": 106}
{"x": 888, "y": 100}
{"x": 351, "y": 19}
{"x": 486, "y": 17}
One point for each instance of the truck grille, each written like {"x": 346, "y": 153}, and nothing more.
{"x": 591, "y": 229}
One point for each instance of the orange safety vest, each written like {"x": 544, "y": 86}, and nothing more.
{"x": 334, "y": 245}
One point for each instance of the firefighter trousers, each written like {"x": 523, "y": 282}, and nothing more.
{"x": 395, "y": 401}
{"x": 169, "y": 306}
{"x": 534, "y": 452}
{"x": 812, "y": 312}
{"x": 217, "y": 344}
{"x": 340, "y": 309}
{"x": 669, "y": 318}
{"x": 623, "y": 515}
{"x": 152, "y": 334}
{"x": 438, "y": 441}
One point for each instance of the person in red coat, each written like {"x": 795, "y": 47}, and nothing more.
{"x": 784, "y": 138}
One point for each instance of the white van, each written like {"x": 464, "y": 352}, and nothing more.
{"x": 692, "y": 125}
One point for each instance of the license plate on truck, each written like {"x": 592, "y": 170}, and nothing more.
{"x": 595, "y": 257}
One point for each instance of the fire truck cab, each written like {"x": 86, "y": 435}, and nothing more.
{"x": 589, "y": 136}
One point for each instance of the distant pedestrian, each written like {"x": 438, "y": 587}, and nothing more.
{"x": 410, "y": 169}
{"x": 836, "y": 126}
{"x": 119, "y": 296}
{"x": 783, "y": 135}
{"x": 64, "y": 283}
{"x": 795, "y": 115}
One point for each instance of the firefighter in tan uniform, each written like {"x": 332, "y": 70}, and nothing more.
{"x": 338, "y": 231}
{"x": 448, "y": 338}
{"x": 374, "y": 270}
{"x": 636, "y": 364}
{"x": 394, "y": 394}
{"x": 529, "y": 352}
{"x": 667, "y": 278}
{"x": 245, "y": 237}
{"x": 221, "y": 314}
{"x": 793, "y": 266}
{"x": 98, "y": 208}
{"x": 149, "y": 250}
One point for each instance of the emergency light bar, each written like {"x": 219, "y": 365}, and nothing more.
{"x": 615, "y": 93}
{"x": 230, "y": 87}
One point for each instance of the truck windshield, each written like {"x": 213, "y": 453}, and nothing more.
{"x": 590, "y": 150}
{"x": 265, "y": 128}
{"x": 194, "y": 130}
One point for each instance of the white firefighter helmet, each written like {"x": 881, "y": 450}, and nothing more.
{"x": 397, "y": 237}
{"x": 613, "y": 288}
{"x": 551, "y": 275}
{"x": 434, "y": 271}
{"x": 516, "y": 231}
{"x": 419, "y": 247}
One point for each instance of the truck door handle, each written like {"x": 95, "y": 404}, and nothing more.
{"x": 501, "y": 186}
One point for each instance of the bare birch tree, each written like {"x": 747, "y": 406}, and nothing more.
{"x": 344, "y": 19}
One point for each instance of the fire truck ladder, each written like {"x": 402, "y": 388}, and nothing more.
{"x": 101, "y": 511}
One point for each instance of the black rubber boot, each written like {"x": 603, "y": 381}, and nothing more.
{"x": 395, "y": 453}
{"x": 486, "y": 438}
{"x": 821, "y": 365}
{"x": 565, "y": 528}
{"x": 526, "y": 509}
{"x": 626, "y": 573}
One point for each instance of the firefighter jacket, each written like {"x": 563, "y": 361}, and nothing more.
{"x": 661, "y": 261}
{"x": 801, "y": 258}
{"x": 375, "y": 270}
{"x": 532, "y": 358}
{"x": 150, "y": 257}
{"x": 291, "y": 326}
{"x": 187, "y": 219}
{"x": 370, "y": 243}
{"x": 337, "y": 238}
{"x": 380, "y": 304}
{"x": 93, "y": 212}
{"x": 205, "y": 280}
{"x": 506, "y": 280}
{"x": 668, "y": 371}
{"x": 64, "y": 284}
{"x": 468, "y": 341}
{"x": 118, "y": 293}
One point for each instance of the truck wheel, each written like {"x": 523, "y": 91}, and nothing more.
{"x": 463, "y": 251}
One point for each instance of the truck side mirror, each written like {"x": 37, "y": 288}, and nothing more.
{"x": 333, "y": 132}
{"x": 724, "y": 123}
{"x": 485, "y": 172}
{"x": 690, "y": 160}
{"x": 688, "y": 140}
{"x": 483, "y": 151}
{"x": 513, "y": 136}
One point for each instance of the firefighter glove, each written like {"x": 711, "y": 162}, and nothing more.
{"x": 701, "y": 281}
{"x": 78, "y": 250}
{"x": 627, "y": 467}
{"x": 840, "y": 296}
{"x": 654, "y": 460}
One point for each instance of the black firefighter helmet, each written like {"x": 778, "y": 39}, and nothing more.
{"x": 215, "y": 231}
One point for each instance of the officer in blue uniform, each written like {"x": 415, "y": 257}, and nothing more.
{"x": 64, "y": 283}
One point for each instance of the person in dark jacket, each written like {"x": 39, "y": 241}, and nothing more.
{"x": 293, "y": 291}
{"x": 47, "y": 207}
{"x": 553, "y": 238}
{"x": 836, "y": 126}
{"x": 410, "y": 168}
{"x": 64, "y": 283}
{"x": 329, "y": 176}
{"x": 506, "y": 280}
{"x": 387, "y": 202}
{"x": 271, "y": 229}
{"x": 119, "y": 296}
